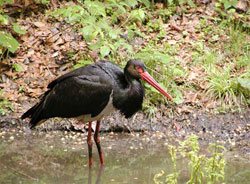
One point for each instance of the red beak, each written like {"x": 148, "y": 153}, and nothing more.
{"x": 149, "y": 79}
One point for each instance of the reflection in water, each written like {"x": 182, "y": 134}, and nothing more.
{"x": 99, "y": 175}
{"x": 63, "y": 158}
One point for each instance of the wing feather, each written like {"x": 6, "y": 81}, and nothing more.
{"x": 77, "y": 96}
{"x": 82, "y": 91}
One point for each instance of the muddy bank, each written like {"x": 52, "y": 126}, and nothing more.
{"x": 231, "y": 129}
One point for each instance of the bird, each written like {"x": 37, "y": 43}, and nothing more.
{"x": 92, "y": 92}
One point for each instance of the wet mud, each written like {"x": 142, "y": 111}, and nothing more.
{"x": 230, "y": 129}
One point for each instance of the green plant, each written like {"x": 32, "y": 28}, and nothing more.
{"x": 5, "y": 105}
{"x": 172, "y": 178}
{"x": 225, "y": 67}
{"x": 174, "y": 3}
{"x": 158, "y": 63}
{"x": 222, "y": 85}
{"x": 165, "y": 13}
{"x": 98, "y": 19}
{"x": 7, "y": 41}
{"x": 17, "y": 67}
{"x": 81, "y": 63}
{"x": 103, "y": 32}
{"x": 203, "y": 169}
{"x": 238, "y": 45}
{"x": 225, "y": 85}
{"x": 214, "y": 168}
{"x": 46, "y": 2}
{"x": 226, "y": 5}
{"x": 190, "y": 149}
{"x": 154, "y": 25}
{"x": 226, "y": 8}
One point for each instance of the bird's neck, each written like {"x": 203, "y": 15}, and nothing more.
{"x": 132, "y": 84}
{"x": 129, "y": 99}
{"x": 130, "y": 79}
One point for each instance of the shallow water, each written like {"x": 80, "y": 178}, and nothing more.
{"x": 61, "y": 157}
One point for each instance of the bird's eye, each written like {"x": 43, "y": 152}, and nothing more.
{"x": 139, "y": 69}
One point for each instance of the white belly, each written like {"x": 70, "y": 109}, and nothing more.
{"x": 106, "y": 111}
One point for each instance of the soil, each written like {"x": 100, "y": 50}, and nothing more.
{"x": 231, "y": 130}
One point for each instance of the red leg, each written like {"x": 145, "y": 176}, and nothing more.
{"x": 97, "y": 141}
{"x": 90, "y": 143}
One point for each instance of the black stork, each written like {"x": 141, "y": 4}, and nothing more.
{"x": 91, "y": 92}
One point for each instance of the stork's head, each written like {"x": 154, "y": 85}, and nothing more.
{"x": 136, "y": 69}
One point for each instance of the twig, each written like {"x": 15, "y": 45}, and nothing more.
{"x": 49, "y": 70}
{"x": 155, "y": 72}
{"x": 61, "y": 31}
{"x": 20, "y": 173}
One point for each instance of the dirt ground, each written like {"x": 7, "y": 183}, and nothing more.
{"x": 231, "y": 129}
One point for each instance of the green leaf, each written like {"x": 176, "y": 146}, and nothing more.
{"x": 228, "y": 4}
{"x": 87, "y": 30}
{"x": 120, "y": 8}
{"x": 137, "y": 14}
{"x": 17, "y": 29}
{"x": 118, "y": 44}
{"x": 191, "y": 3}
{"x": 3, "y": 19}
{"x": 146, "y": 3}
{"x": 95, "y": 8}
{"x": 182, "y": 1}
{"x": 178, "y": 72}
{"x": 95, "y": 46}
{"x": 141, "y": 14}
{"x": 131, "y": 34}
{"x": 104, "y": 51}
{"x": 131, "y": 3}
{"x": 245, "y": 83}
{"x": 82, "y": 63}
{"x": 129, "y": 47}
{"x": 178, "y": 98}
{"x": 217, "y": 4}
{"x": 7, "y": 41}
{"x": 88, "y": 33}
{"x": 163, "y": 58}
{"x": 17, "y": 67}
{"x": 113, "y": 48}
{"x": 45, "y": 2}
{"x": 5, "y": 1}
{"x": 113, "y": 34}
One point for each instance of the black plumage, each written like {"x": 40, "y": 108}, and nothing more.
{"x": 92, "y": 92}
{"x": 87, "y": 90}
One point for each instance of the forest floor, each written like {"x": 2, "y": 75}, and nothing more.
{"x": 47, "y": 51}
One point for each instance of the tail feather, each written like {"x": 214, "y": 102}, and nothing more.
{"x": 28, "y": 113}
{"x": 34, "y": 113}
